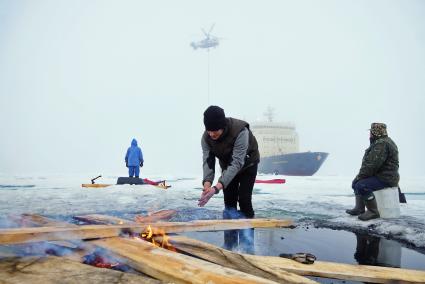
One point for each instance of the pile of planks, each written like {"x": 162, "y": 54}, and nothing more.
{"x": 190, "y": 261}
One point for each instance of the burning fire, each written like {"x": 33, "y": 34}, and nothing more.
{"x": 149, "y": 235}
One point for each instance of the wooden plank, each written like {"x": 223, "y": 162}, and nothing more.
{"x": 282, "y": 277}
{"x": 37, "y": 219}
{"x": 95, "y": 185}
{"x": 173, "y": 267}
{"x": 83, "y": 248}
{"x": 274, "y": 266}
{"x": 104, "y": 219}
{"x": 161, "y": 215}
{"x": 23, "y": 235}
{"x": 42, "y": 221}
{"x": 37, "y": 270}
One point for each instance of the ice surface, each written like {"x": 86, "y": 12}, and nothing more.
{"x": 321, "y": 199}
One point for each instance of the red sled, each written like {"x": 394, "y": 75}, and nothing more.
{"x": 271, "y": 181}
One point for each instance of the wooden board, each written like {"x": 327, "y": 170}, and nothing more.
{"x": 80, "y": 249}
{"x": 104, "y": 219}
{"x": 36, "y": 270}
{"x": 101, "y": 185}
{"x": 95, "y": 185}
{"x": 42, "y": 221}
{"x": 272, "y": 267}
{"x": 23, "y": 235}
{"x": 289, "y": 277}
{"x": 279, "y": 276}
{"x": 173, "y": 267}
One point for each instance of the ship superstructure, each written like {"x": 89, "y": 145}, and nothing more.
{"x": 278, "y": 144}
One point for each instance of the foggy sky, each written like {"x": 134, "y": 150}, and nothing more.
{"x": 79, "y": 79}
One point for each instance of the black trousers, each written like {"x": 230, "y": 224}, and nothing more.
{"x": 240, "y": 190}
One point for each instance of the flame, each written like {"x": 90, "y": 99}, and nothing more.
{"x": 149, "y": 236}
{"x": 101, "y": 260}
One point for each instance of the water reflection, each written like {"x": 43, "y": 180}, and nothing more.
{"x": 371, "y": 250}
{"x": 239, "y": 240}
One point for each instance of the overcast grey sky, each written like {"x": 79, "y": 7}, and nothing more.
{"x": 79, "y": 79}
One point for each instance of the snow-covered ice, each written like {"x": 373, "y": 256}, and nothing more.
{"x": 317, "y": 199}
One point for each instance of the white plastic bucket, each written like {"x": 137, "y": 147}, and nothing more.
{"x": 389, "y": 253}
{"x": 388, "y": 202}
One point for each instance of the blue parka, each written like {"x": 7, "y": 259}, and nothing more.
{"x": 134, "y": 155}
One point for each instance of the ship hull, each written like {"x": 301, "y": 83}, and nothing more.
{"x": 293, "y": 164}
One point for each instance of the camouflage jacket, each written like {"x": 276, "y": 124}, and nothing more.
{"x": 381, "y": 160}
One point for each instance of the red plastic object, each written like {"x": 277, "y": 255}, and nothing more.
{"x": 271, "y": 181}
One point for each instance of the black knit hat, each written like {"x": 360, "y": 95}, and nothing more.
{"x": 214, "y": 118}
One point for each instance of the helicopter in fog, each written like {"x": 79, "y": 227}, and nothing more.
{"x": 208, "y": 42}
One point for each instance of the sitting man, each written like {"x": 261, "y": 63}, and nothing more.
{"x": 379, "y": 170}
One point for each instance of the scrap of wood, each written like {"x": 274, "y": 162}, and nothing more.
{"x": 36, "y": 220}
{"x": 162, "y": 215}
{"x": 286, "y": 277}
{"x": 41, "y": 270}
{"x": 237, "y": 261}
{"x": 101, "y": 219}
{"x": 283, "y": 277}
{"x": 39, "y": 220}
{"x": 42, "y": 221}
{"x": 173, "y": 267}
{"x": 24, "y": 235}
{"x": 95, "y": 185}
{"x": 271, "y": 267}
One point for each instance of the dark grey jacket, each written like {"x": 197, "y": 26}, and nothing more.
{"x": 236, "y": 150}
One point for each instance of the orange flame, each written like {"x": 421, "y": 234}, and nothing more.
{"x": 149, "y": 236}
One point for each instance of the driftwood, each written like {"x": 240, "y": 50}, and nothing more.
{"x": 24, "y": 235}
{"x": 47, "y": 270}
{"x": 174, "y": 267}
{"x": 272, "y": 267}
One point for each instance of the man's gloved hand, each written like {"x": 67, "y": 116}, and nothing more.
{"x": 141, "y": 164}
{"x": 126, "y": 164}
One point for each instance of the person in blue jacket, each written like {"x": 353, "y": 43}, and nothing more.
{"x": 134, "y": 159}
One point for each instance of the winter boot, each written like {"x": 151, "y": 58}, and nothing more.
{"x": 359, "y": 208}
{"x": 372, "y": 209}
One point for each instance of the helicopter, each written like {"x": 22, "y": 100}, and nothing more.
{"x": 208, "y": 42}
